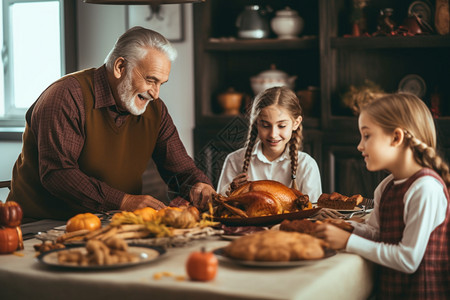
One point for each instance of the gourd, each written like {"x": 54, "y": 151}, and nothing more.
{"x": 202, "y": 265}
{"x": 185, "y": 217}
{"x": 9, "y": 240}
{"x": 10, "y": 214}
{"x": 83, "y": 221}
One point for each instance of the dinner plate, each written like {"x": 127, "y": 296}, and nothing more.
{"x": 348, "y": 211}
{"x": 271, "y": 264}
{"x": 267, "y": 220}
{"x": 146, "y": 255}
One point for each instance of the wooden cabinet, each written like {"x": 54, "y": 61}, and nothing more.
{"x": 326, "y": 56}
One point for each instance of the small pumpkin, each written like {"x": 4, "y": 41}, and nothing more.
{"x": 9, "y": 240}
{"x": 147, "y": 213}
{"x": 10, "y": 214}
{"x": 83, "y": 221}
{"x": 202, "y": 265}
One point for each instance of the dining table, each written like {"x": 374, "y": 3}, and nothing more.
{"x": 340, "y": 276}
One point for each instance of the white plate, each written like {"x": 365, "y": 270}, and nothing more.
{"x": 272, "y": 264}
{"x": 413, "y": 84}
{"x": 145, "y": 254}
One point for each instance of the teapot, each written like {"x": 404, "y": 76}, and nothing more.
{"x": 252, "y": 24}
{"x": 271, "y": 78}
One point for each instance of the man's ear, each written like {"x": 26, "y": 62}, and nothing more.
{"x": 297, "y": 123}
{"x": 398, "y": 136}
{"x": 119, "y": 67}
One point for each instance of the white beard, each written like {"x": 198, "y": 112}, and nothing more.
{"x": 128, "y": 100}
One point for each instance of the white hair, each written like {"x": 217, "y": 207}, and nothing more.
{"x": 134, "y": 44}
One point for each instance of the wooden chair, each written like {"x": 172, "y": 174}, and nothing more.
{"x": 5, "y": 184}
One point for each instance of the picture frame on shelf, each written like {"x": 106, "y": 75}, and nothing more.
{"x": 165, "y": 19}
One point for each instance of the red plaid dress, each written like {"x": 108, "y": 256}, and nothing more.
{"x": 432, "y": 278}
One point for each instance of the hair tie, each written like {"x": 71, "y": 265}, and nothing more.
{"x": 293, "y": 176}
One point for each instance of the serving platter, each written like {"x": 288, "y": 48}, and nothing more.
{"x": 220, "y": 253}
{"x": 146, "y": 254}
{"x": 267, "y": 220}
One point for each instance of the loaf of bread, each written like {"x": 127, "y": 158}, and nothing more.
{"x": 338, "y": 201}
{"x": 302, "y": 226}
{"x": 275, "y": 245}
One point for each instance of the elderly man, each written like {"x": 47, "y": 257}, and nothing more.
{"x": 90, "y": 135}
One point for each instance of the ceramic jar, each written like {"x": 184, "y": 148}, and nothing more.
{"x": 230, "y": 101}
{"x": 287, "y": 24}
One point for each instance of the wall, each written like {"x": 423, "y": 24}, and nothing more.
{"x": 98, "y": 28}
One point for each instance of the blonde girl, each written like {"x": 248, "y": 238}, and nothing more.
{"x": 407, "y": 233}
{"x": 273, "y": 148}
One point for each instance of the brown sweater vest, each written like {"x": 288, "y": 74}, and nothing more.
{"x": 114, "y": 155}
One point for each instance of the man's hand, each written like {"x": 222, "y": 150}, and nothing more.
{"x": 133, "y": 202}
{"x": 200, "y": 194}
{"x": 336, "y": 237}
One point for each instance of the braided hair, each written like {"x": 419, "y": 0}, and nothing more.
{"x": 287, "y": 99}
{"x": 408, "y": 112}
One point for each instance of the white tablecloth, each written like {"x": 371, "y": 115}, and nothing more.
{"x": 343, "y": 276}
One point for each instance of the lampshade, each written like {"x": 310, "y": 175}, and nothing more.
{"x": 143, "y": 2}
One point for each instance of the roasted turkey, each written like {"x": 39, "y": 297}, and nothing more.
{"x": 262, "y": 197}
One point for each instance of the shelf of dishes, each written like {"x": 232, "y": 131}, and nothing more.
{"x": 423, "y": 41}
{"x": 234, "y": 44}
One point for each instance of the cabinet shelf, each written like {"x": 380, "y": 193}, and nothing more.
{"x": 322, "y": 57}
{"x": 261, "y": 45}
{"x": 389, "y": 42}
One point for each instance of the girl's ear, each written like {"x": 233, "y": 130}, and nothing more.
{"x": 119, "y": 67}
{"x": 398, "y": 136}
{"x": 297, "y": 123}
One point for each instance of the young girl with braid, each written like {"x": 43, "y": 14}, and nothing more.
{"x": 273, "y": 149}
{"x": 408, "y": 233}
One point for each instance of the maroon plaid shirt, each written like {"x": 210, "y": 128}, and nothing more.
{"x": 60, "y": 134}
{"x": 432, "y": 278}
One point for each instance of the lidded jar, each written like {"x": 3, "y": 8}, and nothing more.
{"x": 287, "y": 24}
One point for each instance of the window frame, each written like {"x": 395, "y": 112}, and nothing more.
{"x": 11, "y": 127}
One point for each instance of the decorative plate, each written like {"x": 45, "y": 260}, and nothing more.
{"x": 413, "y": 84}
{"x": 146, "y": 255}
{"x": 267, "y": 220}
{"x": 422, "y": 10}
{"x": 272, "y": 264}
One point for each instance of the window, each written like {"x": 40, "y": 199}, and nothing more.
{"x": 34, "y": 54}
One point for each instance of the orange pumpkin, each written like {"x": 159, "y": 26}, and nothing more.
{"x": 202, "y": 266}
{"x": 10, "y": 214}
{"x": 83, "y": 221}
{"x": 147, "y": 213}
{"x": 163, "y": 211}
{"x": 9, "y": 240}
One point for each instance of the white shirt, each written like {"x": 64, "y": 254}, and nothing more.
{"x": 425, "y": 209}
{"x": 260, "y": 168}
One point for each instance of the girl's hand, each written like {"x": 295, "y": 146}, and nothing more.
{"x": 336, "y": 237}
{"x": 239, "y": 180}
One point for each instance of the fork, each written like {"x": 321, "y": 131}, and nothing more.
{"x": 367, "y": 203}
